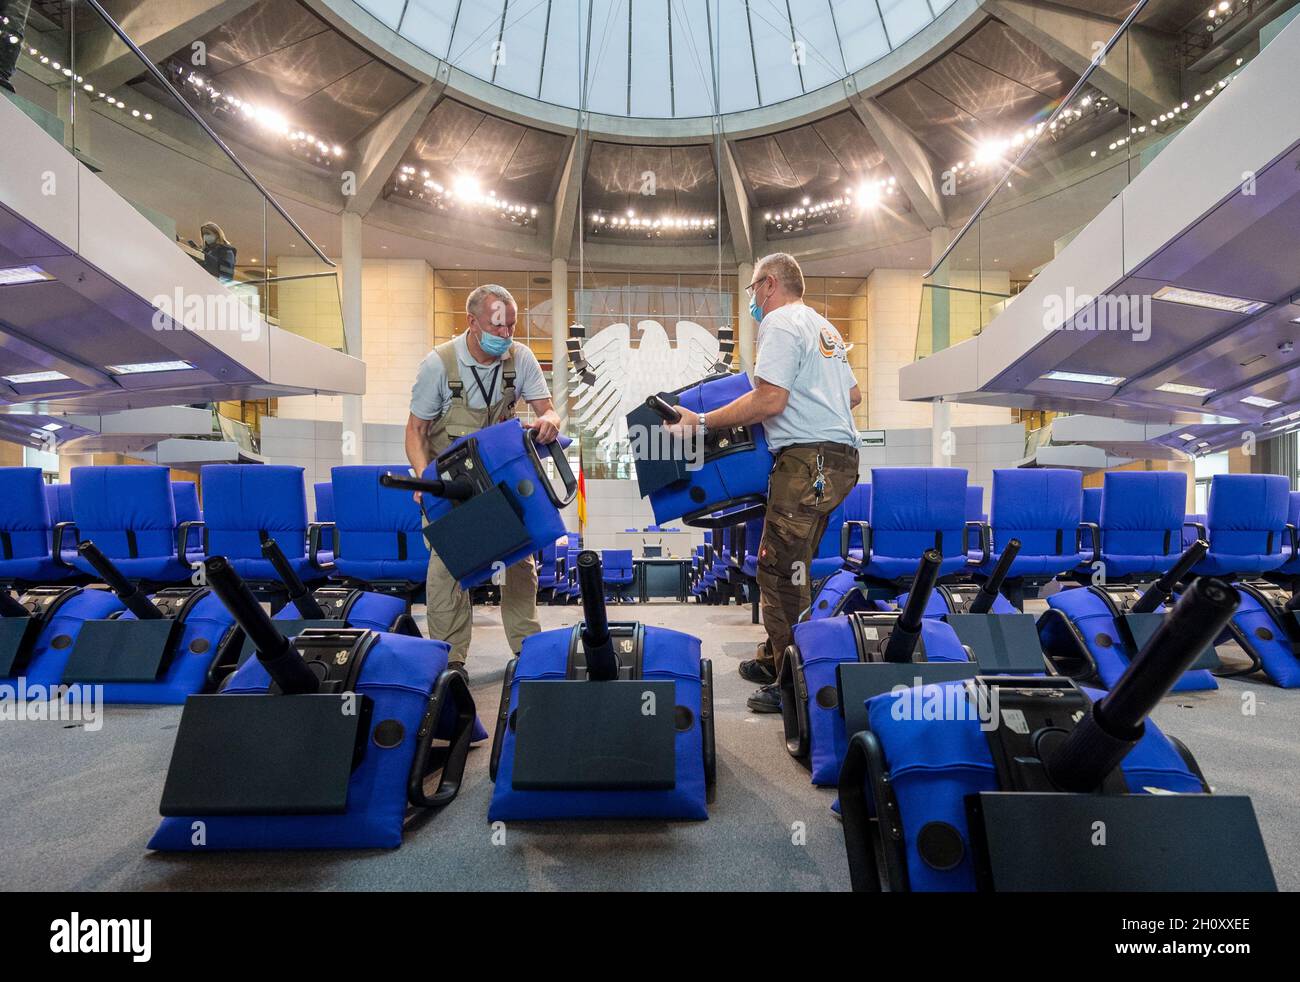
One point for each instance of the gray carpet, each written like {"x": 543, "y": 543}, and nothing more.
{"x": 76, "y": 807}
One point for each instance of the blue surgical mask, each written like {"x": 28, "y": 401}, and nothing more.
{"x": 755, "y": 311}
{"x": 493, "y": 345}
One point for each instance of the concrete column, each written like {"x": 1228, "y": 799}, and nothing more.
{"x": 746, "y": 326}
{"x": 560, "y": 336}
{"x": 351, "y": 287}
{"x": 940, "y": 428}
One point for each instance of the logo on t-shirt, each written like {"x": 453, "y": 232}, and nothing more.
{"x": 830, "y": 343}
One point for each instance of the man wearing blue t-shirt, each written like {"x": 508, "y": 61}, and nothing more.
{"x": 804, "y": 395}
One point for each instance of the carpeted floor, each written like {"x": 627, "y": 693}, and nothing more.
{"x": 76, "y": 807}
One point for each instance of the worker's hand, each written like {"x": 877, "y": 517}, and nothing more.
{"x": 419, "y": 498}
{"x": 546, "y": 428}
{"x": 686, "y": 426}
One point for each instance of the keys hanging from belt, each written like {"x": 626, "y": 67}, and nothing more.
{"x": 819, "y": 482}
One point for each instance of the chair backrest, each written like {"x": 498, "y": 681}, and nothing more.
{"x": 185, "y": 499}
{"x": 128, "y": 512}
{"x": 1091, "y": 509}
{"x": 1247, "y": 515}
{"x": 324, "y": 501}
{"x": 246, "y": 501}
{"x": 25, "y": 521}
{"x": 1041, "y": 507}
{"x": 373, "y": 522}
{"x": 58, "y": 498}
{"x": 918, "y": 508}
{"x": 1142, "y": 519}
{"x": 975, "y": 504}
{"x": 616, "y": 560}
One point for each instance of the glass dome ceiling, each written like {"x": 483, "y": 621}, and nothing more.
{"x": 658, "y": 59}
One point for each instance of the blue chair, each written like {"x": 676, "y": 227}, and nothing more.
{"x": 1043, "y": 509}
{"x": 1193, "y": 528}
{"x": 185, "y": 499}
{"x": 377, "y": 534}
{"x": 548, "y": 571}
{"x": 324, "y": 501}
{"x": 27, "y": 530}
{"x": 1090, "y": 520}
{"x": 975, "y": 515}
{"x": 59, "y": 499}
{"x": 129, "y": 513}
{"x": 854, "y": 508}
{"x": 1291, "y": 568}
{"x": 619, "y": 572}
{"x": 1141, "y": 523}
{"x": 250, "y": 503}
{"x": 913, "y": 509}
{"x": 1245, "y": 525}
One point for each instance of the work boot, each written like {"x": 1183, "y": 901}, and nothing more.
{"x": 766, "y": 700}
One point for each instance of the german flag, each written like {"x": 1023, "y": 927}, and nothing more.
{"x": 582, "y": 502}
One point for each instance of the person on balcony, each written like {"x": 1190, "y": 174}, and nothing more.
{"x": 218, "y": 253}
{"x": 13, "y": 23}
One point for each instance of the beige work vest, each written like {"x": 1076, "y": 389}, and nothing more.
{"x": 459, "y": 420}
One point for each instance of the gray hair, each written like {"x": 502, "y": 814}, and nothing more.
{"x": 474, "y": 305}
{"x": 786, "y": 269}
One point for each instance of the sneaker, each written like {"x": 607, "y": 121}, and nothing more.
{"x": 766, "y": 700}
{"x": 758, "y": 671}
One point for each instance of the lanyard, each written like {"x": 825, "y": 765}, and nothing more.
{"x": 492, "y": 384}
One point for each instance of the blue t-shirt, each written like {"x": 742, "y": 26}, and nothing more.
{"x": 802, "y": 352}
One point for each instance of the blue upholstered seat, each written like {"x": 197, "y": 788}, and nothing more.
{"x": 1089, "y": 514}
{"x": 975, "y": 513}
{"x": 379, "y": 530}
{"x": 1042, "y": 508}
{"x": 185, "y": 499}
{"x": 247, "y": 502}
{"x": 1246, "y": 524}
{"x": 129, "y": 513}
{"x": 855, "y": 508}
{"x": 914, "y": 509}
{"x": 618, "y": 570}
{"x": 26, "y": 528}
{"x": 1291, "y": 567}
{"x": 324, "y": 501}
{"x": 1142, "y": 522}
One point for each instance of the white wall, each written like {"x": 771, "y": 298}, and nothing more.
{"x": 317, "y": 447}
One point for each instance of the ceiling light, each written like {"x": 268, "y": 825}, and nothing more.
{"x": 33, "y": 377}
{"x": 1212, "y": 301}
{"x": 145, "y": 368}
{"x": 52, "y": 427}
{"x": 1178, "y": 389}
{"x": 22, "y": 275}
{"x": 1186, "y": 436}
{"x": 1260, "y": 402}
{"x": 1083, "y": 377}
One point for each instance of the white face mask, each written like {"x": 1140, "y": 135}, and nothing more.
{"x": 209, "y": 239}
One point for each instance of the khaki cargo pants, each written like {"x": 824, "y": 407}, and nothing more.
{"x": 794, "y": 523}
{"x": 451, "y": 617}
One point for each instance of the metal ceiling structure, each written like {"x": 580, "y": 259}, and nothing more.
{"x": 658, "y": 58}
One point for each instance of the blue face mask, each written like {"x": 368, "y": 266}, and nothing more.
{"x": 493, "y": 345}
{"x": 755, "y": 311}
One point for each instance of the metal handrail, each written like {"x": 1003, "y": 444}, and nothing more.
{"x": 271, "y": 280}
{"x": 165, "y": 82}
{"x": 1033, "y": 142}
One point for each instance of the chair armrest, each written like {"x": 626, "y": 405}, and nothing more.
{"x": 1292, "y": 535}
{"x": 985, "y": 538}
{"x": 314, "y": 533}
{"x": 1096, "y": 539}
{"x": 182, "y": 538}
{"x": 59, "y": 531}
{"x": 846, "y": 545}
{"x": 1201, "y": 533}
